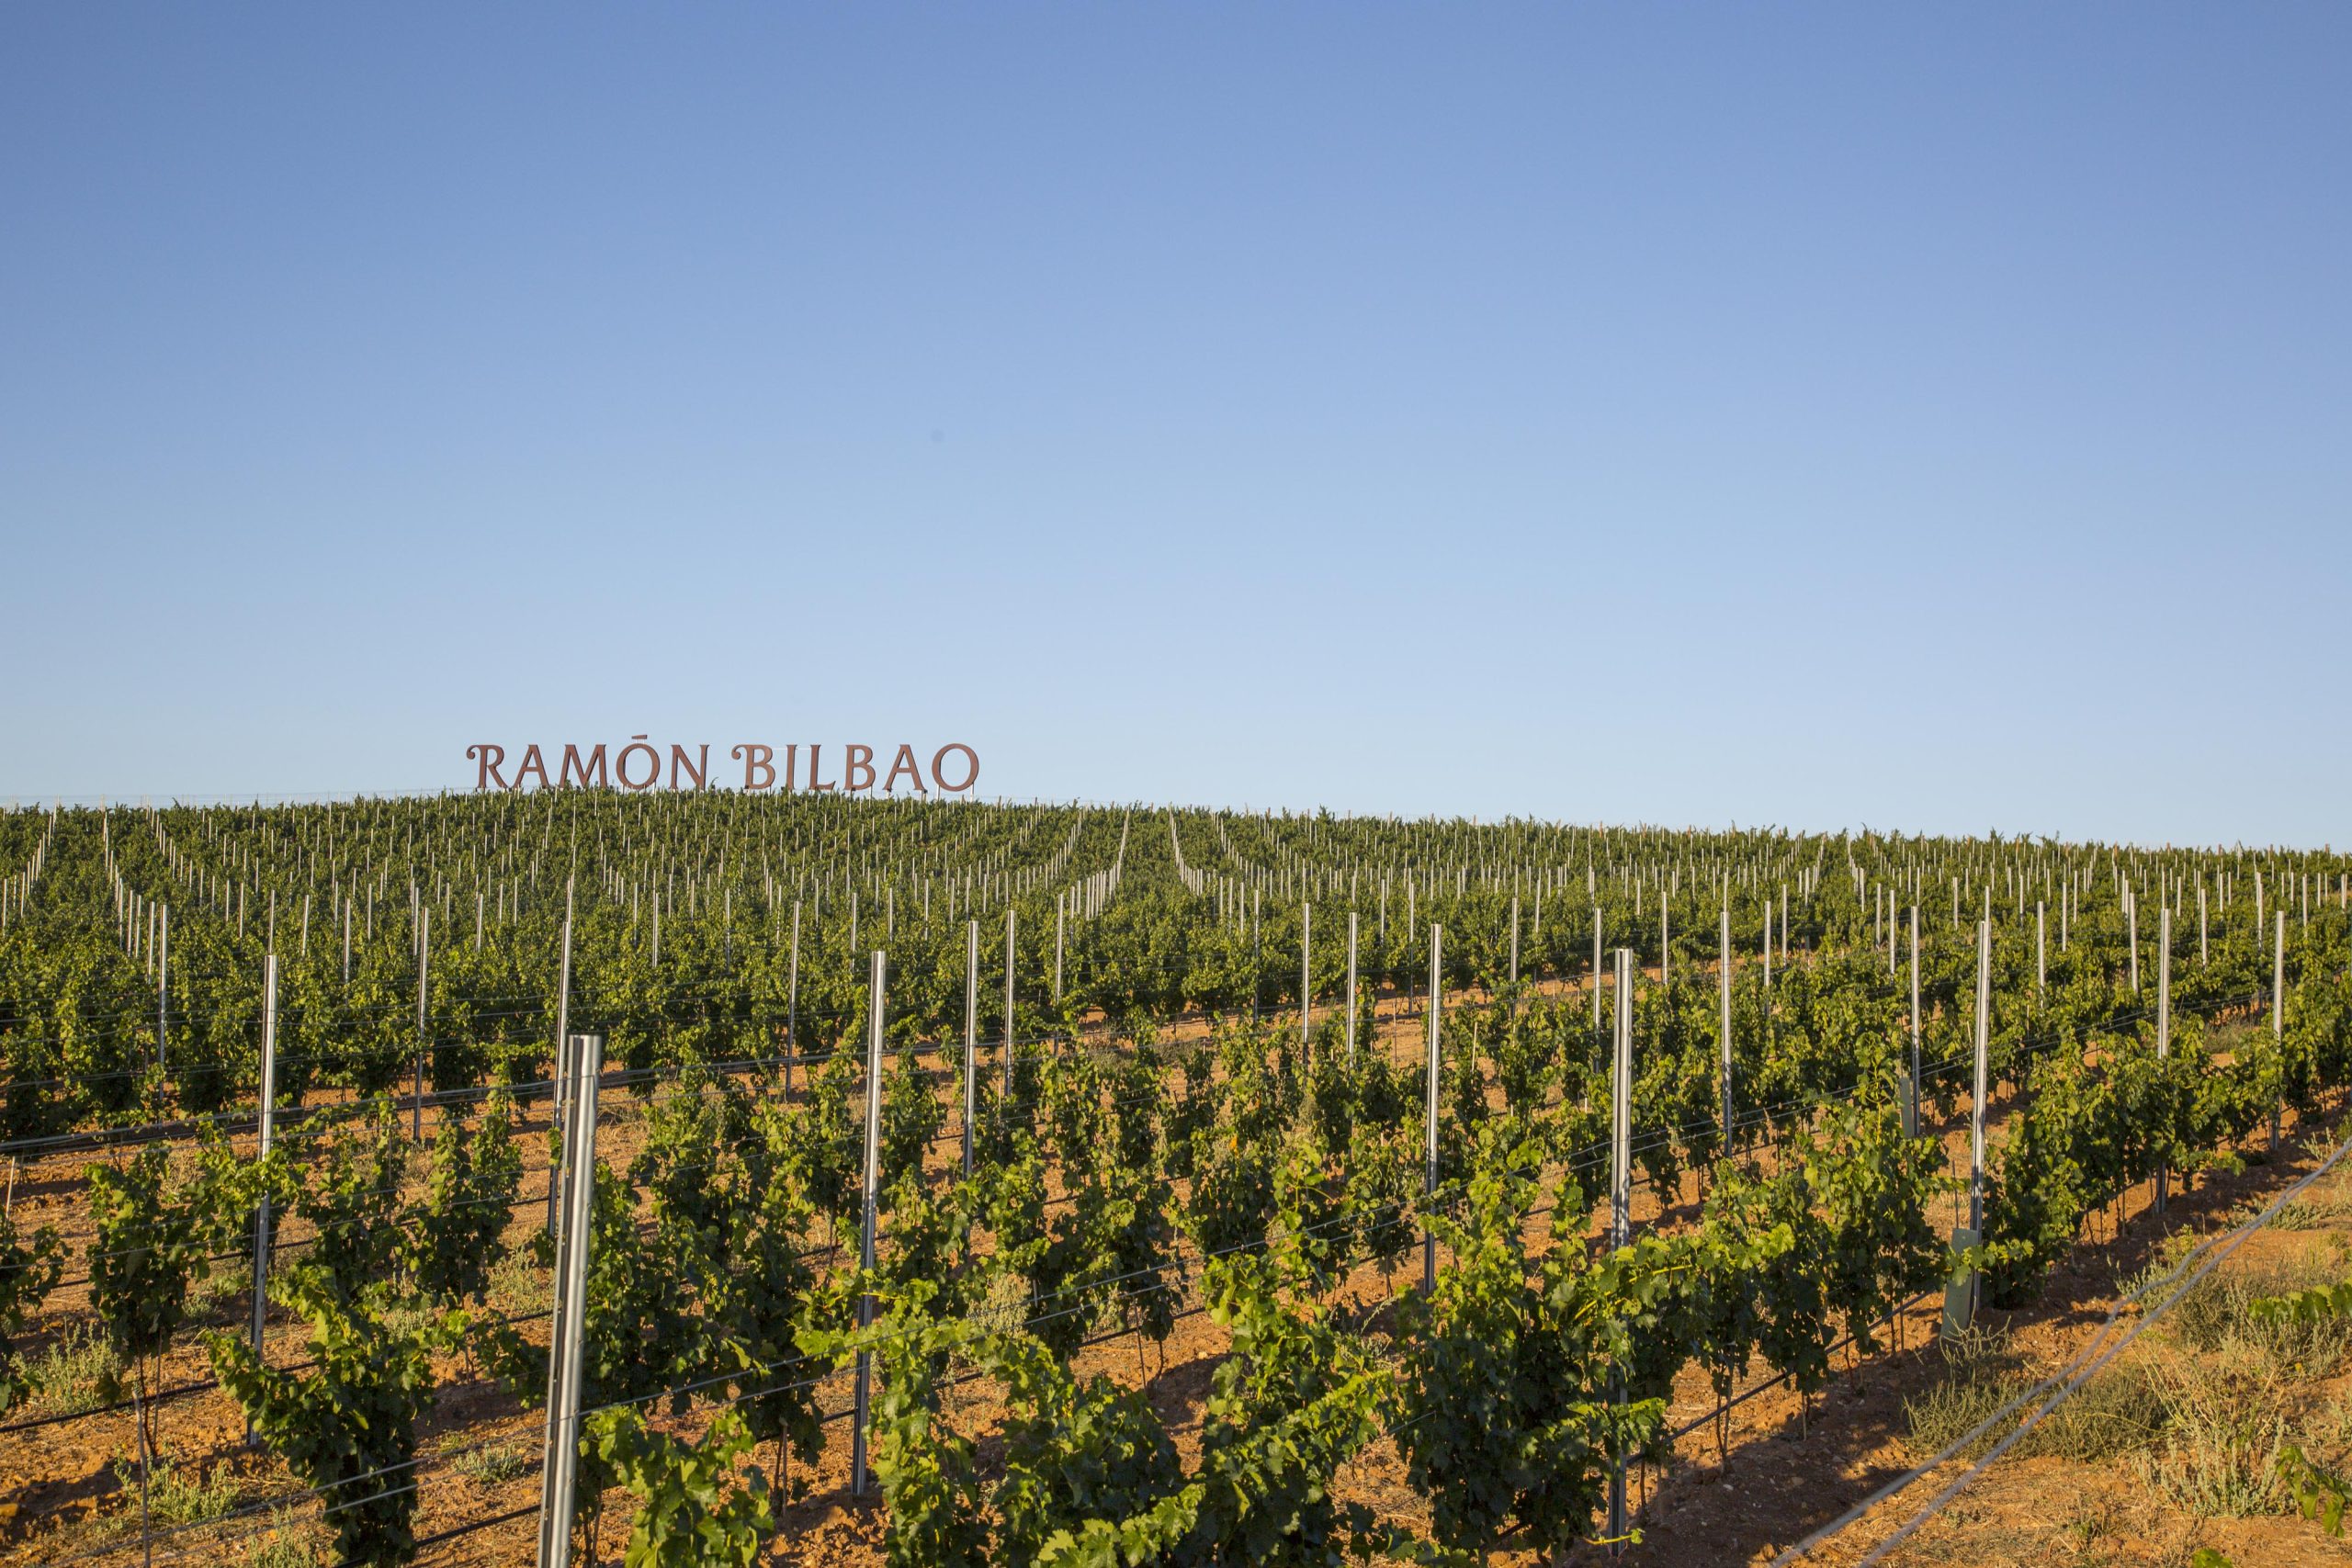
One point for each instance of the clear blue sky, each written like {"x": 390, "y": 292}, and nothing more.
{"x": 1936, "y": 417}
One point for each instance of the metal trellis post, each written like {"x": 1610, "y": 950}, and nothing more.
{"x": 971, "y": 1032}
{"x": 2163, "y": 1028}
{"x": 1621, "y": 1141}
{"x": 1305, "y": 974}
{"x": 1911, "y": 1126}
{"x": 424, "y": 974}
{"x": 268, "y": 1130}
{"x": 1429, "y": 1111}
{"x": 562, "y": 1044}
{"x": 1352, "y": 988}
{"x": 2278, "y": 1004}
{"x": 584, "y": 1058}
{"x": 1725, "y": 987}
{"x": 865, "y": 1395}
{"x": 792, "y": 1002}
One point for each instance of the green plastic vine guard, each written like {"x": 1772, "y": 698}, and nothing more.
{"x": 1960, "y": 1290}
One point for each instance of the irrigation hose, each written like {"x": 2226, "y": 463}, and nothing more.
{"x": 2058, "y": 1387}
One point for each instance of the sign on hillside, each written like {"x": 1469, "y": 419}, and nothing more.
{"x": 639, "y": 766}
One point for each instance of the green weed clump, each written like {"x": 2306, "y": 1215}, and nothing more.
{"x": 2225, "y": 1427}
{"x": 1980, "y": 1374}
{"x": 181, "y": 1494}
{"x": 2318, "y": 1212}
{"x": 2117, "y": 1412}
{"x": 491, "y": 1466}
{"x": 70, "y": 1375}
{"x": 2214, "y": 1316}
{"x": 291, "y": 1541}
{"x": 2120, "y": 1411}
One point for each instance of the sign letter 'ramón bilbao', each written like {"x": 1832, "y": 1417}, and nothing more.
{"x": 639, "y": 764}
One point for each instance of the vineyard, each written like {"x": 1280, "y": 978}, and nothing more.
{"x": 698, "y": 1177}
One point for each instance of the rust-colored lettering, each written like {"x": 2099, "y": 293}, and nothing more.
{"x": 758, "y": 769}
{"x": 591, "y": 773}
{"x": 904, "y": 762}
{"x": 690, "y": 768}
{"x": 652, "y": 765}
{"x": 971, "y": 768}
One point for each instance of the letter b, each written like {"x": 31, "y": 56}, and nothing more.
{"x": 759, "y": 765}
